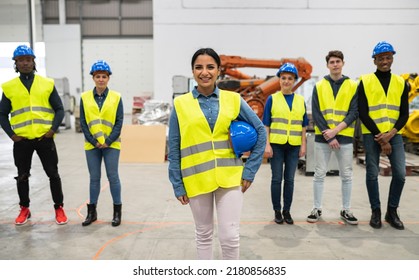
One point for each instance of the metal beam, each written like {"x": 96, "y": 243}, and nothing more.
{"x": 32, "y": 24}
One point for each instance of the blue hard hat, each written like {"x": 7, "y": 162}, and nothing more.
{"x": 100, "y": 65}
{"x": 288, "y": 67}
{"x": 382, "y": 47}
{"x": 23, "y": 50}
{"x": 243, "y": 137}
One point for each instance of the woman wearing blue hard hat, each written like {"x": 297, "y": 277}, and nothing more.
{"x": 285, "y": 119}
{"x": 101, "y": 119}
{"x": 204, "y": 170}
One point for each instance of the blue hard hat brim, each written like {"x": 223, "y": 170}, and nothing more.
{"x": 374, "y": 55}
{"x": 16, "y": 56}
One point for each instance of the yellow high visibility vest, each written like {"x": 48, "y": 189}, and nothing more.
{"x": 335, "y": 110}
{"x": 31, "y": 115}
{"x": 101, "y": 122}
{"x": 384, "y": 109}
{"x": 286, "y": 125}
{"x": 207, "y": 158}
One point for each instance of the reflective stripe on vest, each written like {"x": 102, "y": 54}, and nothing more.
{"x": 286, "y": 124}
{"x": 334, "y": 110}
{"x": 207, "y": 159}
{"x": 384, "y": 109}
{"x": 101, "y": 122}
{"x": 31, "y": 115}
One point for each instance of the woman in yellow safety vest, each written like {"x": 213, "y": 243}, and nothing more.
{"x": 101, "y": 119}
{"x": 204, "y": 170}
{"x": 285, "y": 120}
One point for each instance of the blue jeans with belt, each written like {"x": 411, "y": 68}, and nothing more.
{"x": 284, "y": 163}
{"x": 398, "y": 170}
{"x": 94, "y": 163}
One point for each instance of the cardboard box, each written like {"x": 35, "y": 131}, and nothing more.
{"x": 143, "y": 143}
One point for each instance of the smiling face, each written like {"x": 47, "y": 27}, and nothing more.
{"x": 286, "y": 80}
{"x": 205, "y": 72}
{"x": 384, "y": 61}
{"x": 101, "y": 79}
{"x": 25, "y": 64}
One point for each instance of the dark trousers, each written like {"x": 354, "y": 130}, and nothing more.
{"x": 47, "y": 152}
{"x": 398, "y": 170}
{"x": 283, "y": 166}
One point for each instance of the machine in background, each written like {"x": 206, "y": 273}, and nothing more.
{"x": 255, "y": 91}
{"x": 410, "y": 131}
{"x": 63, "y": 87}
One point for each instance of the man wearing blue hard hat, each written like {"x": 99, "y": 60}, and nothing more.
{"x": 36, "y": 112}
{"x": 384, "y": 109}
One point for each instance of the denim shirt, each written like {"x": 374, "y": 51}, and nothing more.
{"x": 116, "y": 130}
{"x": 210, "y": 108}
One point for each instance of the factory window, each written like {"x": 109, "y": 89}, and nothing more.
{"x": 104, "y": 18}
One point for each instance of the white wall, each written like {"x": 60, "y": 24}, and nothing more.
{"x": 274, "y": 29}
{"x": 63, "y": 54}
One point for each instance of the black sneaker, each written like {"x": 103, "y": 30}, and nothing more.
{"x": 348, "y": 217}
{"x": 314, "y": 216}
{"x": 287, "y": 217}
{"x": 278, "y": 217}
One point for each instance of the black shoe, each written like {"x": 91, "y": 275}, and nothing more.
{"x": 393, "y": 218}
{"x": 314, "y": 215}
{"x": 375, "y": 221}
{"x": 278, "y": 217}
{"x": 348, "y": 217}
{"x": 287, "y": 217}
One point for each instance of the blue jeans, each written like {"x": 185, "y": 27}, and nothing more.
{"x": 283, "y": 155}
{"x": 94, "y": 163}
{"x": 322, "y": 156}
{"x": 398, "y": 170}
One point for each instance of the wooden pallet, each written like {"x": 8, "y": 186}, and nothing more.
{"x": 412, "y": 164}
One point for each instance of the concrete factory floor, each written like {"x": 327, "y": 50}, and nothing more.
{"x": 156, "y": 227}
